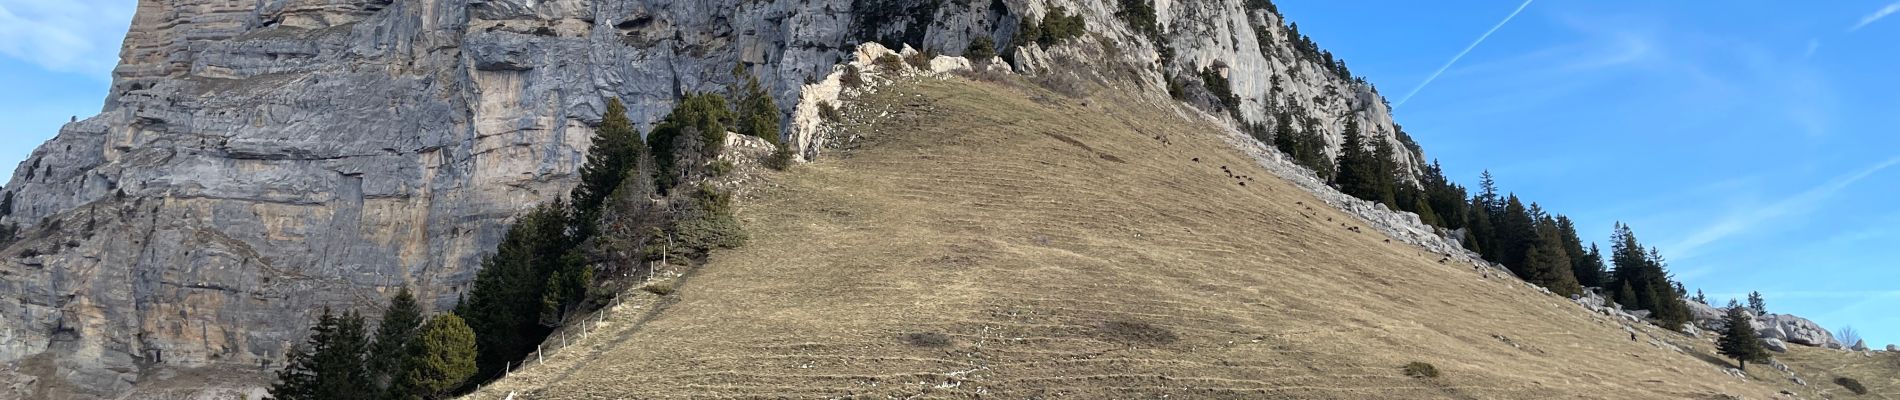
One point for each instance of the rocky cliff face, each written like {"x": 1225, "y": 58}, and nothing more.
{"x": 259, "y": 161}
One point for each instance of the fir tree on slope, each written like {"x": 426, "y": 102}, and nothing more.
{"x": 1739, "y": 341}
{"x": 392, "y": 335}
{"x": 1756, "y": 304}
{"x": 617, "y": 147}
{"x": 330, "y": 367}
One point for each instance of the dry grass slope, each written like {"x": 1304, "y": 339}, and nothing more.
{"x": 1880, "y": 371}
{"x": 1007, "y": 242}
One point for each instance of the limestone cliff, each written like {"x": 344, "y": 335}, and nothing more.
{"x": 259, "y": 161}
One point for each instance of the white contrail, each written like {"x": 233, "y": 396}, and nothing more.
{"x": 1461, "y": 54}
{"x": 1876, "y": 16}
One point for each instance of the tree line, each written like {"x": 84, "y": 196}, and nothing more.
{"x": 639, "y": 201}
{"x": 1538, "y": 246}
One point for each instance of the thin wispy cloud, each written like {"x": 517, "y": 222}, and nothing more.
{"x": 1461, "y": 54}
{"x": 1870, "y": 19}
{"x": 1742, "y": 222}
{"x": 76, "y": 36}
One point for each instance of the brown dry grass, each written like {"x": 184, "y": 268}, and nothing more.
{"x": 1062, "y": 251}
{"x": 1879, "y": 371}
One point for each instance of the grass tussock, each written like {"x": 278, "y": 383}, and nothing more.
{"x": 1418, "y": 369}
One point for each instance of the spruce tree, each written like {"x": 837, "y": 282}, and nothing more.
{"x": 1361, "y": 174}
{"x": 1757, "y": 304}
{"x": 1739, "y": 340}
{"x": 504, "y": 307}
{"x": 754, "y": 110}
{"x": 1625, "y": 296}
{"x": 392, "y": 334}
{"x": 441, "y": 359}
{"x": 1593, "y": 270}
{"x": 615, "y": 149}
{"x": 1548, "y": 265}
{"x": 340, "y": 362}
{"x": 1516, "y": 231}
{"x": 330, "y": 366}
{"x": 298, "y": 379}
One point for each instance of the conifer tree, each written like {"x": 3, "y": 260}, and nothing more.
{"x": 1592, "y": 269}
{"x": 331, "y": 365}
{"x": 502, "y": 307}
{"x": 1625, "y": 296}
{"x": 1757, "y": 304}
{"x": 754, "y": 109}
{"x": 441, "y": 359}
{"x": 1549, "y": 266}
{"x": 1361, "y": 174}
{"x": 392, "y": 335}
{"x": 1515, "y": 231}
{"x": 1699, "y": 298}
{"x": 1739, "y": 340}
{"x": 701, "y": 117}
{"x": 615, "y": 149}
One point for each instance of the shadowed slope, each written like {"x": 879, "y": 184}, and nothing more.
{"x": 1007, "y": 242}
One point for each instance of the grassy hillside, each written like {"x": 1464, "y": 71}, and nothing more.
{"x": 1879, "y": 371}
{"x": 1003, "y": 241}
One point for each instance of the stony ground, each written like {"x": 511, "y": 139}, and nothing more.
{"x": 998, "y": 240}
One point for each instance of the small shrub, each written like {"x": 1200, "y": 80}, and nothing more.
{"x": 927, "y": 339}
{"x": 780, "y": 159}
{"x": 659, "y": 288}
{"x": 829, "y": 112}
{"x": 29, "y": 253}
{"x": 1418, "y": 369}
{"x": 889, "y": 62}
{"x": 722, "y": 167}
{"x": 981, "y": 49}
{"x": 1851, "y": 384}
{"x": 920, "y": 60}
{"x": 1059, "y": 26}
{"x": 852, "y": 77}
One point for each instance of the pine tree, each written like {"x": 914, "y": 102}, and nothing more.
{"x": 440, "y": 360}
{"x": 392, "y": 334}
{"x": 1592, "y": 269}
{"x": 615, "y": 149}
{"x": 1699, "y": 298}
{"x": 1755, "y": 303}
{"x": 1739, "y": 341}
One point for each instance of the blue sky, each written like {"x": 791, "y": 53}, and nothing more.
{"x": 56, "y": 60}
{"x": 1752, "y": 141}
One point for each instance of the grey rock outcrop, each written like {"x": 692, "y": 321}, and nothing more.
{"x": 1795, "y": 330}
{"x": 1774, "y": 344}
{"x": 256, "y": 162}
